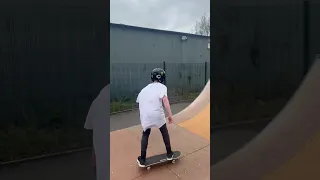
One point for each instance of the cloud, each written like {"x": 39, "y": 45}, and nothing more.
{"x": 173, "y": 15}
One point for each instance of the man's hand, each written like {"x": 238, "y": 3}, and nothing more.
{"x": 170, "y": 120}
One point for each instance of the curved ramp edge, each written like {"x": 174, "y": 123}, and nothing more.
{"x": 304, "y": 165}
{"x": 195, "y": 107}
{"x": 200, "y": 124}
{"x": 288, "y": 148}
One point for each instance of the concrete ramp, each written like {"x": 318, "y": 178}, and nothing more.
{"x": 195, "y": 107}
{"x": 200, "y": 124}
{"x": 190, "y": 134}
{"x": 288, "y": 148}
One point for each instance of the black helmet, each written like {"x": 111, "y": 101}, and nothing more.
{"x": 158, "y": 74}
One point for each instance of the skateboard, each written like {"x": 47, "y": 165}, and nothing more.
{"x": 161, "y": 158}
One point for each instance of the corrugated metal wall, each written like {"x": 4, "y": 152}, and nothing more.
{"x": 71, "y": 73}
{"x": 135, "y": 51}
{"x": 134, "y": 44}
{"x": 45, "y": 95}
{"x": 127, "y": 79}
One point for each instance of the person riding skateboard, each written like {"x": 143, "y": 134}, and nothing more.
{"x": 151, "y": 112}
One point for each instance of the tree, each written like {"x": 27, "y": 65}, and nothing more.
{"x": 202, "y": 27}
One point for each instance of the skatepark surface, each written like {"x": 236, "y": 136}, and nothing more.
{"x": 190, "y": 134}
{"x": 288, "y": 148}
{"x": 71, "y": 166}
{"x": 78, "y": 165}
{"x": 200, "y": 124}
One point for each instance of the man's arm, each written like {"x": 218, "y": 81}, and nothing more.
{"x": 137, "y": 101}
{"x": 165, "y": 100}
{"x": 166, "y": 104}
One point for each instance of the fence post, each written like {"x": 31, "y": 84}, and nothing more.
{"x": 205, "y": 72}
{"x": 164, "y": 68}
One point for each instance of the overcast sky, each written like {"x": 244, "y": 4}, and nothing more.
{"x": 173, "y": 15}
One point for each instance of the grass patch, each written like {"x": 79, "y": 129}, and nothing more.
{"x": 117, "y": 106}
{"x": 193, "y": 95}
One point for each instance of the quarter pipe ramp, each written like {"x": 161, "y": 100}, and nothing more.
{"x": 189, "y": 134}
{"x": 288, "y": 148}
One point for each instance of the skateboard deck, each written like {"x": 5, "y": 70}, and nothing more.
{"x": 161, "y": 158}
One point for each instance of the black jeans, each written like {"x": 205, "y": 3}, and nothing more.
{"x": 145, "y": 138}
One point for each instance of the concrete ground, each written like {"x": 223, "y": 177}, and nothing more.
{"x": 125, "y": 148}
{"x": 78, "y": 165}
{"x": 72, "y": 166}
{"x": 191, "y": 137}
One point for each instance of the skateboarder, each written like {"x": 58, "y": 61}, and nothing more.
{"x": 151, "y": 111}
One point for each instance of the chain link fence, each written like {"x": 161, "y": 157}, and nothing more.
{"x": 184, "y": 81}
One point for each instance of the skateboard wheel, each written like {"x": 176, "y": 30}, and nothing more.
{"x": 174, "y": 161}
{"x": 148, "y": 168}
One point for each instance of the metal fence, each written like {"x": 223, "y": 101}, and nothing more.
{"x": 48, "y": 80}
{"x": 183, "y": 79}
{"x": 43, "y": 108}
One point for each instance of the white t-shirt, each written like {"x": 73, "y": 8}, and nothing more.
{"x": 150, "y": 105}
